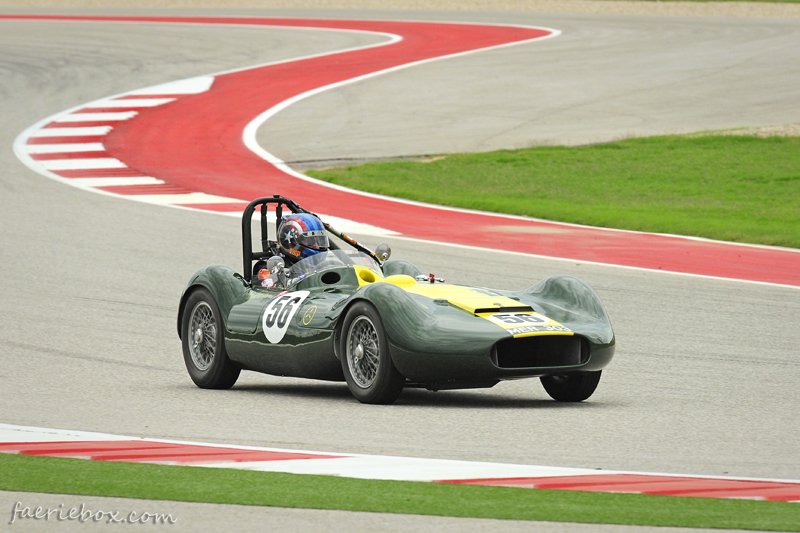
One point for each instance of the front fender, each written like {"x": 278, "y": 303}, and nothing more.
{"x": 225, "y": 284}
{"x": 574, "y": 304}
{"x": 427, "y": 327}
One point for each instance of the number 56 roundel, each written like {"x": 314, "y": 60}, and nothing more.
{"x": 279, "y": 313}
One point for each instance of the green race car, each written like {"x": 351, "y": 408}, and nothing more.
{"x": 381, "y": 325}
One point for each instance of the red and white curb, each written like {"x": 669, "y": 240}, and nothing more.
{"x": 193, "y": 146}
{"x": 73, "y": 146}
{"x": 105, "y": 447}
{"x": 69, "y": 147}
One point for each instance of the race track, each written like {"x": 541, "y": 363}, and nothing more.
{"x": 704, "y": 380}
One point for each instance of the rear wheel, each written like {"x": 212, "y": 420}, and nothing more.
{"x": 571, "y": 387}
{"x": 367, "y": 365}
{"x": 203, "y": 342}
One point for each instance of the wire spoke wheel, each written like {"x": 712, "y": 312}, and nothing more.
{"x": 203, "y": 336}
{"x": 363, "y": 351}
{"x": 366, "y": 362}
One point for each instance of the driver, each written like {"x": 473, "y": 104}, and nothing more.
{"x": 301, "y": 235}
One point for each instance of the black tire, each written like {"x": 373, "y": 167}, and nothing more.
{"x": 572, "y": 387}
{"x": 366, "y": 363}
{"x": 203, "y": 342}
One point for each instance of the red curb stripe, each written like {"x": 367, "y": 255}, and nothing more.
{"x": 86, "y": 124}
{"x": 101, "y": 173}
{"x": 650, "y": 484}
{"x": 32, "y": 448}
{"x": 778, "y": 494}
{"x": 150, "y": 451}
{"x": 70, "y": 155}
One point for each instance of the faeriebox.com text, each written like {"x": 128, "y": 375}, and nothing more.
{"x": 82, "y": 514}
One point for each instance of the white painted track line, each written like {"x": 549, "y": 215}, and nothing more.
{"x": 83, "y": 164}
{"x": 185, "y": 199}
{"x": 64, "y": 148}
{"x": 132, "y": 102}
{"x": 110, "y": 181}
{"x": 96, "y": 117}
{"x": 404, "y": 468}
{"x": 72, "y": 132}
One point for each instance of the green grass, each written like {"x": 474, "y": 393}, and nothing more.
{"x": 734, "y": 188}
{"x": 762, "y": 1}
{"x": 211, "y": 485}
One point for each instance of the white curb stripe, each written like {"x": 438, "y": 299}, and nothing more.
{"x": 110, "y": 182}
{"x": 132, "y": 102}
{"x": 82, "y": 164}
{"x": 64, "y": 148}
{"x": 96, "y": 117}
{"x": 72, "y": 132}
{"x": 403, "y": 468}
{"x": 185, "y": 199}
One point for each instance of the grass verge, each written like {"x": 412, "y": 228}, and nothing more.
{"x": 725, "y": 187}
{"x": 211, "y": 485}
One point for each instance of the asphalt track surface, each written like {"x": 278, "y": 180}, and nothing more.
{"x": 704, "y": 381}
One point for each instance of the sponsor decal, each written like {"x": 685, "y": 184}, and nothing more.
{"x": 308, "y": 316}
{"x": 279, "y": 313}
{"x": 538, "y": 329}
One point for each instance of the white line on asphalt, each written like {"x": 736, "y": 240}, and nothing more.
{"x": 132, "y": 102}
{"x": 64, "y": 148}
{"x": 111, "y": 181}
{"x": 96, "y": 117}
{"x": 71, "y": 132}
{"x": 82, "y": 164}
{"x": 183, "y": 199}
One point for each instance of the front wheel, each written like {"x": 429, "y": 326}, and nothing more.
{"x": 203, "y": 342}
{"x": 367, "y": 365}
{"x": 571, "y": 387}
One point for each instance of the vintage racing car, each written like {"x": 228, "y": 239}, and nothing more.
{"x": 381, "y": 325}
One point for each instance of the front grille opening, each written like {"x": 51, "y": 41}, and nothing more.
{"x": 541, "y": 351}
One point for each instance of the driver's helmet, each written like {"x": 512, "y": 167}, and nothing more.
{"x": 301, "y": 235}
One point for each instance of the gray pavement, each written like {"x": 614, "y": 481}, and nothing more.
{"x": 605, "y": 78}
{"x": 704, "y": 381}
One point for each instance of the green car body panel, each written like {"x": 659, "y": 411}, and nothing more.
{"x": 433, "y": 341}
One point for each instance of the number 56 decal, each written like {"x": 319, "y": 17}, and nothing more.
{"x": 279, "y": 313}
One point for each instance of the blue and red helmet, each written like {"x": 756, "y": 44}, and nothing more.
{"x": 301, "y": 235}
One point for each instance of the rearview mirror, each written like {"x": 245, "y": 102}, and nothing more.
{"x": 383, "y": 251}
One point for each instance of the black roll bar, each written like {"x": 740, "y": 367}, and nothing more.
{"x": 247, "y": 217}
{"x": 280, "y": 202}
